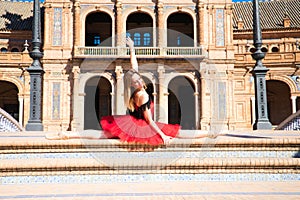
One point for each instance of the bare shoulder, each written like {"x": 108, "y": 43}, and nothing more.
{"x": 142, "y": 97}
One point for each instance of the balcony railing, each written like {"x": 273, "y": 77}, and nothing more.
{"x": 8, "y": 123}
{"x": 15, "y": 58}
{"x": 139, "y": 51}
{"x": 291, "y": 123}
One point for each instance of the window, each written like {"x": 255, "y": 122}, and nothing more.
{"x": 14, "y": 50}
{"x": 264, "y": 49}
{"x": 275, "y": 49}
{"x": 137, "y": 39}
{"x": 178, "y": 41}
{"x": 147, "y": 39}
{"x": 3, "y": 49}
{"x": 97, "y": 40}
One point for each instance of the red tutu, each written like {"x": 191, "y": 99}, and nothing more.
{"x": 130, "y": 129}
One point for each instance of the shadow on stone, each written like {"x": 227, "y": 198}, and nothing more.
{"x": 297, "y": 155}
{"x": 246, "y": 136}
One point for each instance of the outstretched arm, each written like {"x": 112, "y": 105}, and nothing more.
{"x": 133, "y": 59}
{"x": 142, "y": 99}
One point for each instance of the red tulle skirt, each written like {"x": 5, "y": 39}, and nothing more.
{"x": 129, "y": 129}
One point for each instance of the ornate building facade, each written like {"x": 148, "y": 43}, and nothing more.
{"x": 195, "y": 57}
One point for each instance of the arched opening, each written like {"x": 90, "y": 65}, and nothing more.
{"x": 97, "y": 101}
{"x": 15, "y": 50}
{"x": 279, "y": 101}
{"x": 139, "y": 27}
{"x": 275, "y": 49}
{"x": 264, "y": 49}
{"x": 9, "y": 98}
{"x": 98, "y": 29}
{"x": 181, "y": 102}
{"x": 3, "y": 49}
{"x": 252, "y": 50}
{"x": 180, "y": 30}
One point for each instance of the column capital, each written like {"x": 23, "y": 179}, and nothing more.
{"x": 119, "y": 71}
{"x": 161, "y": 69}
{"x": 76, "y": 71}
{"x": 76, "y": 4}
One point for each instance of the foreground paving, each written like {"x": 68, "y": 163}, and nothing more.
{"x": 240, "y": 165}
{"x": 156, "y": 190}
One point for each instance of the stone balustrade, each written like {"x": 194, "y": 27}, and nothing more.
{"x": 8, "y": 123}
{"x": 292, "y": 123}
{"x": 139, "y": 51}
{"x": 13, "y": 58}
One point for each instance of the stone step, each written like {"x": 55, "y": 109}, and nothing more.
{"x": 254, "y": 163}
{"x": 144, "y": 165}
{"x": 30, "y": 153}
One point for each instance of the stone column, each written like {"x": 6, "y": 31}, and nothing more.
{"x": 163, "y": 103}
{"x": 76, "y": 23}
{"x": 160, "y": 24}
{"x": 21, "y": 108}
{"x": 196, "y": 95}
{"x": 205, "y": 102}
{"x": 47, "y": 13}
{"x": 119, "y": 22}
{"x": 200, "y": 23}
{"x": 75, "y": 98}
{"x": 253, "y": 109}
{"x": 119, "y": 104}
{"x": 294, "y": 104}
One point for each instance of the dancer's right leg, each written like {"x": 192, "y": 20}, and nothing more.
{"x": 85, "y": 134}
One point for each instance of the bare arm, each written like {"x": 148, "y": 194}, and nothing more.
{"x": 143, "y": 98}
{"x": 133, "y": 59}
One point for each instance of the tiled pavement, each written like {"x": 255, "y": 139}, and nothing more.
{"x": 157, "y": 189}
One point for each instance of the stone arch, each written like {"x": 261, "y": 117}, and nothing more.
{"x": 20, "y": 95}
{"x": 286, "y": 79}
{"x": 195, "y": 84}
{"x": 91, "y": 10}
{"x": 278, "y": 100}
{"x": 190, "y": 76}
{"x": 84, "y": 78}
{"x": 188, "y": 11}
{"x": 129, "y": 11}
{"x": 144, "y": 10}
{"x": 15, "y": 81}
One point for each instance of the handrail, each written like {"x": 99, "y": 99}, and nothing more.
{"x": 8, "y": 123}
{"x": 290, "y": 123}
{"x": 139, "y": 51}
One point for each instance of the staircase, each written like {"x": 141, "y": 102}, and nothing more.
{"x": 291, "y": 123}
{"x": 27, "y": 159}
{"x": 8, "y": 123}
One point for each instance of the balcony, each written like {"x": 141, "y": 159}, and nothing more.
{"x": 142, "y": 52}
{"x": 14, "y": 58}
{"x": 270, "y": 58}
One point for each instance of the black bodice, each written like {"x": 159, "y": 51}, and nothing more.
{"x": 138, "y": 111}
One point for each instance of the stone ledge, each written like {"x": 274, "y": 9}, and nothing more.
{"x": 35, "y": 140}
{"x": 146, "y": 164}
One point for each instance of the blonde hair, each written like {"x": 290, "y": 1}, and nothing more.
{"x": 129, "y": 91}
